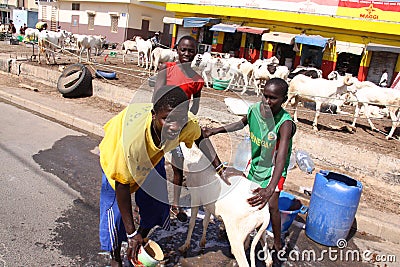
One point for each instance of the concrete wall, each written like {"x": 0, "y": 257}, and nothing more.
{"x": 130, "y": 17}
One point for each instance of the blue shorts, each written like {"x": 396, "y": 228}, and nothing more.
{"x": 153, "y": 210}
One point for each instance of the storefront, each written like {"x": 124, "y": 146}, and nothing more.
{"x": 280, "y": 45}
{"x": 384, "y": 57}
{"x": 348, "y": 57}
{"x": 238, "y": 41}
{"x": 344, "y": 27}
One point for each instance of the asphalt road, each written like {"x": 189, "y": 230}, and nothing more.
{"x": 50, "y": 194}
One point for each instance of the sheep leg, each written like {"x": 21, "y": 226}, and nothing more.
{"x": 47, "y": 56}
{"x": 192, "y": 223}
{"x": 267, "y": 256}
{"x": 244, "y": 88}
{"x": 356, "y": 114}
{"x": 88, "y": 52}
{"x": 206, "y": 221}
{"x": 317, "y": 112}
{"x": 205, "y": 78}
{"x": 367, "y": 114}
{"x": 54, "y": 57}
{"x": 294, "y": 105}
{"x": 246, "y": 83}
{"x": 236, "y": 239}
{"x": 395, "y": 122}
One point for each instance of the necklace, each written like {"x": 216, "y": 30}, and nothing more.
{"x": 158, "y": 137}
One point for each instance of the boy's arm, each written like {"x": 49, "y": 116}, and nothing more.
{"x": 262, "y": 195}
{"x": 123, "y": 195}
{"x": 225, "y": 129}
{"x": 161, "y": 78}
{"x": 196, "y": 103}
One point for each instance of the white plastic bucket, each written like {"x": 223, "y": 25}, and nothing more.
{"x": 149, "y": 255}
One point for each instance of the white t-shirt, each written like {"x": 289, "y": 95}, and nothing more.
{"x": 383, "y": 81}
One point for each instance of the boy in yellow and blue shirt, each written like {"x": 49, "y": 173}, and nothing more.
{"x": 131, "y": 154}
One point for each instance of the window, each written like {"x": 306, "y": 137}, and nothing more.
{"x": 114, "y": 24}
{"x": 76, "y": 6}
{"x": 90, "y": 21}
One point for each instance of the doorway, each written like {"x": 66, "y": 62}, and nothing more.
{"x": 348, "y": 63}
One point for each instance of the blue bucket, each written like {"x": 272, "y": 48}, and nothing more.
{"x": 286, "y": 201}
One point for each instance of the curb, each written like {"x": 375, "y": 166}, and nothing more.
{"x": 55, "y": 114}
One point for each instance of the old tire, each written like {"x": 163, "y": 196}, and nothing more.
{"x": 75, "y": 81}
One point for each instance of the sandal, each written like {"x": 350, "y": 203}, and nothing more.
{"x": 179, "y": 214}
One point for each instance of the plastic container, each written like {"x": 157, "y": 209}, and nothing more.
{"x": 149, "y": 255}
{"x": 333, "y": 205}
{"x": 110, "y": 75}
{"x": 220, "y": 84}
{"x": 289, "y": 207}
{"x": 304, "y": 161}
{"x": 243, "y": 154}
{"x": 292, "y": 161}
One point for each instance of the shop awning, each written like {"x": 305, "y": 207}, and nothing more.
{"x": 198, "y": 22}
{"x": 221, "y": 27}
{"x": 347, "y": 47}
{"x": 311, "y": 40}
{"x": 383, "y": 48}
{"x": 169, "y": 20}
{"x": 253, "y": 30}
{"x": 278, "y": 37}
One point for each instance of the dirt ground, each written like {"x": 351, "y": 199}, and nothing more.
{"x": 132, "y": 77}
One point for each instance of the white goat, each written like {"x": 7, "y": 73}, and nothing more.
{"x": 202, "y": 64}
{"x": 128, "y": 46}
{"x": 266, "y": 69}
{"x": 31, "y": 34}
{"x": 161, "y": 55}
{"x": 307, "y": 71}
{"x": 319, "y": 90}
{"x": 48, "y": 41}
{"x": 207, "y": 189}
{"x": 89, "y": 42}
{"x": 239, "y": 68}
{"x": 371, "y": 94}
{"x": 144, "y": 51}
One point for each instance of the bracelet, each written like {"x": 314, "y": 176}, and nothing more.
{"x": 131, "y": 235}
{"x": 220, "y": 167}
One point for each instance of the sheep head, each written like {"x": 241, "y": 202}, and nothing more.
{"x": 346, "y": 81}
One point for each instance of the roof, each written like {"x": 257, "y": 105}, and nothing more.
{"x": 221, "y": 27}
{"x": 383, "y": 48}
{"x": 253, "y": 30}
{"x": 278, "y": 37}
{"x": 316, "y": 40}
{"x": 348, "y": 47}
{"x": 170, "y": 20}
{"x": 198, "y": 22}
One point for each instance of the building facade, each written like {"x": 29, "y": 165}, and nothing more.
{"x": 117, "y": 20}
{"x": 361, "y": 37}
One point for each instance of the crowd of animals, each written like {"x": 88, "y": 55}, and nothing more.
{"x": 306, "y": 84}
